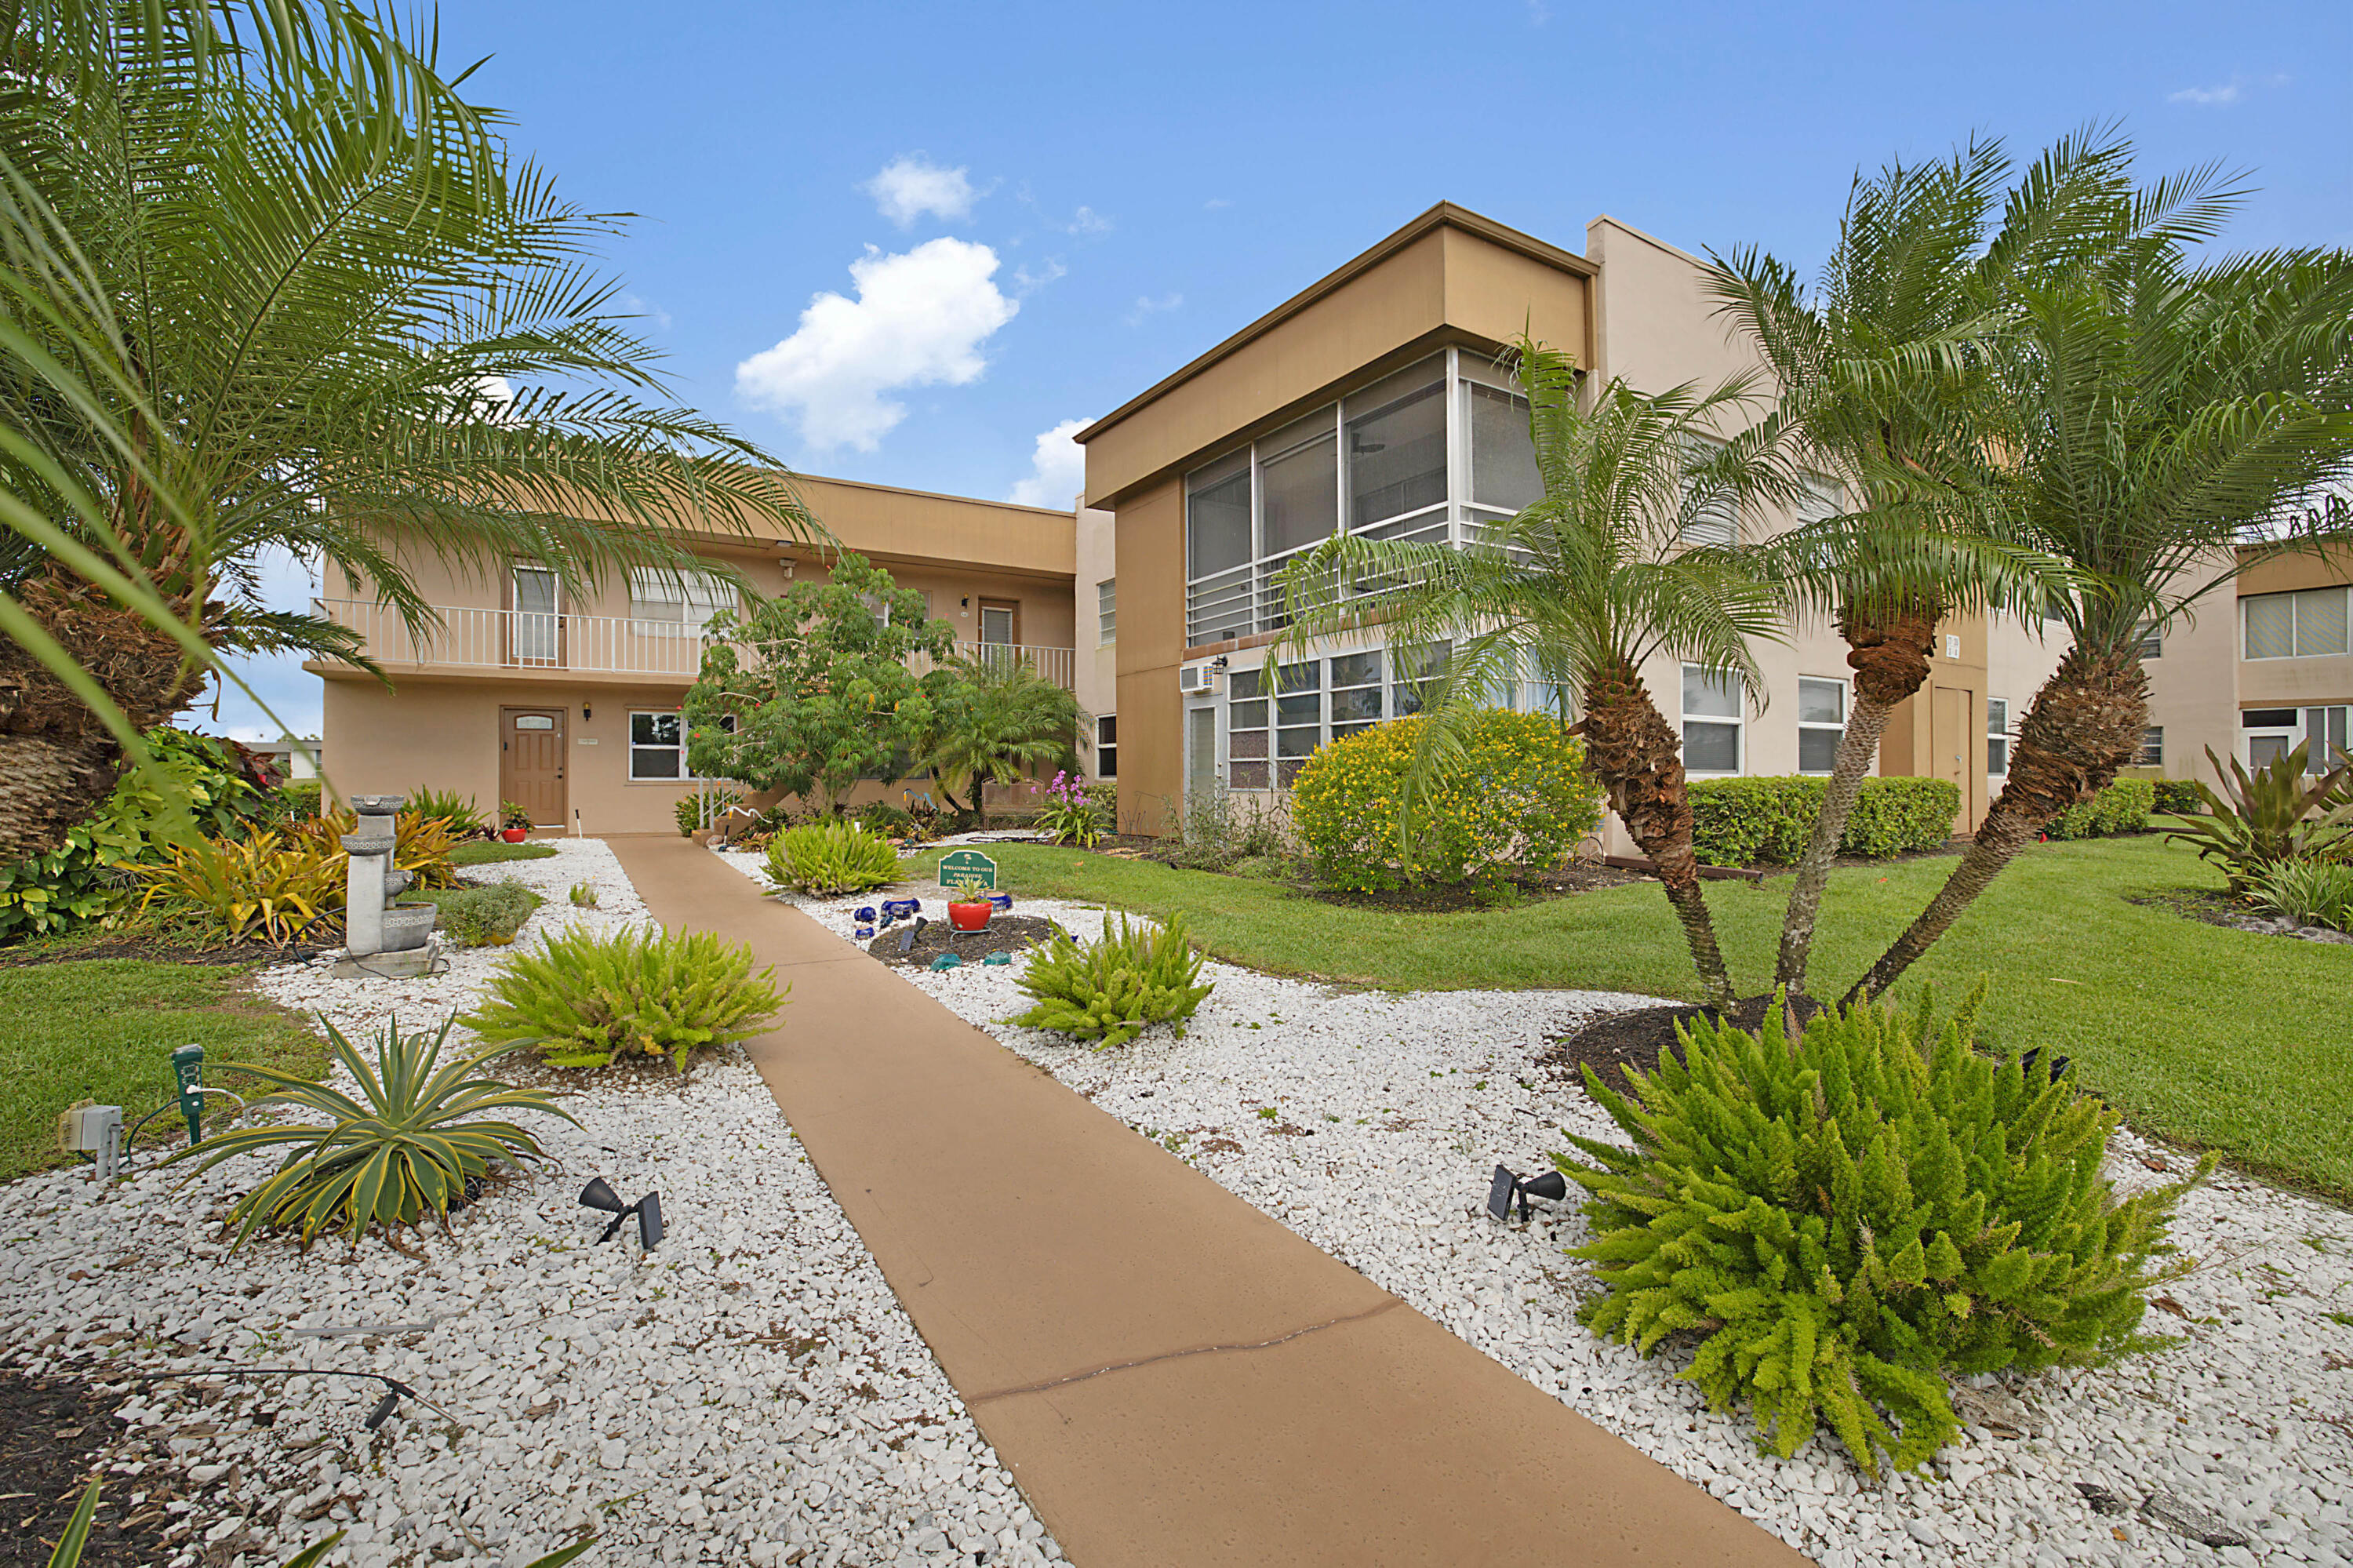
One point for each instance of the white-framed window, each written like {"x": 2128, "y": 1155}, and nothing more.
{"x": 658, "y": 745}
{"x": 1356, "y": 688}
{"x": 1414, "y": 673}
{"x": 1821, "y": 721}
{"x": 677, "y": 604}
{"x": 1106, "y": 612}
{"x": 1714, "y": 717}
{"x": 1714, "y": 521}
{"x": 2149, "y": 638}
{"x": 2309, "y": 623}
{"x": 1997, "y": 737}
{"x": 1107, "y": 746}
{"x": 2152, "y": 747}
{"x": 1298, "y": 718}
{"x": 1246, "y": 730}
{"x": 2324, "y": 734}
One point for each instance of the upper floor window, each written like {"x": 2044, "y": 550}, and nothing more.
{"x": 2149, "y": 639}
{"x": 677, "y": 602}
{"x": 1713, "y": 720}
{"x": 1821, "y": 721}
{"x": 2307, "y": 624}
{"x": 1106, "y": 611}
{"x": 1709, "y": 516}
{"x": 1397, "y": 451}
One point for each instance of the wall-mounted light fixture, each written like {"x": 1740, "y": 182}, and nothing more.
{"x": 583, "y": 711}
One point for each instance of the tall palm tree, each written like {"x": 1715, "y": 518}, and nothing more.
{"x": 1886, "y": 377}
{"x": 324, "y": 275}
{"x": 2167, "y": 411}
{"x": 1586, "y": 585}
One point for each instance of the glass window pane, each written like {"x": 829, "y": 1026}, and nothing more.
{"x": 1356, "y": 670}
{"x": 1243, "y": 684}
{"x": 1298, "y": 485}
{"x": 656, "y": 762}
{"x": 1503, "y": 471}
{"x": 1307, "y": 677}
{"x": 1218, "y": 518}
{"x": 534, "y": 590}
{"x": 1107, "y": 730}
{"x": 1297, "y": 742}
{"x": 653, "y": 729}
{"x": 1286, "y": 774}
{"x": 1246, "y": 742}
{"x": 1817, "y": 750}
{"x": 1247, "y": 775}
{"x": 2152, "y": 748}
{"x": 1997, "y": 715}
{"x": 1998, "y": 755}
{"x": 1821, "y": 702}
{"x": 1304, "y": 709}
{"x": 1714, "y": 693}
{"x": 2265, "y": 749}
{"x": 1360, "y": 703}
{"x": 1251, "y": 714}
{"x": 1710, "y": 748}
{"x": 1396, "y": 445}
{"x": 2267, "y": 718}
{"x": 2319, "y": 623}
{"x": 1341, "y": 731}
{"x": 2271, "y": 625}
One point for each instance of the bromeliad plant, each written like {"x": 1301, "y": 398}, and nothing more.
{"x": 1848, "y": 1219}
{"x": 827, "y": 858}
{"x": 2277, "y": 815}
{"x": 585, "y": 998}
{"x": 263, "y": 887}
{"x": 405, "y": 1145}
{"x": 1069, "y": 816}
{"x": 1111, "y": 990}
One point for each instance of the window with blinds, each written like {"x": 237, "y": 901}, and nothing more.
{"x": 679, "y": 604}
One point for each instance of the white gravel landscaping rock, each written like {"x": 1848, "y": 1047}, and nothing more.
{"x": 1369, "y": 1123}
{"x": 751, "y": 1391}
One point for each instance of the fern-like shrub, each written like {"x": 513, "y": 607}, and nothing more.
{"x": 583, "y": 997}
{"x": 1846, "y": 1220}
{"x": 1110, "y": 990}
{"x": 827, "y": 858}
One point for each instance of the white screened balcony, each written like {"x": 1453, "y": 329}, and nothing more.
{"x": 468, "y": 638}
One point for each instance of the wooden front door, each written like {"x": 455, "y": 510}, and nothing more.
{"x": 531, "y": 763}
{"x": 1953, "y": 748}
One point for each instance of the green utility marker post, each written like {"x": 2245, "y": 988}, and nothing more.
{"x": 189, "y": 1073}
{"x": 968, "y": 869}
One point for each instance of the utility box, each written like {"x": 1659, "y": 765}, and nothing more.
{"x": 94, "y": 1130}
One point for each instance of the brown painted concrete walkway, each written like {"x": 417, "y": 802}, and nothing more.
{"x": 1174, "y": 1378}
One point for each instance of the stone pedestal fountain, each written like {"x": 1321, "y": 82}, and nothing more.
{"x": 382, "y": 937}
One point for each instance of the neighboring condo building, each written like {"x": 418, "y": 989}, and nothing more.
{"x": 571, "y": 708}
{"x": 1372, "y": 403}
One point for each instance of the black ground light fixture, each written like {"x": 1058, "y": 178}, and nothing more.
{"x": 599, "y": 1195}
{"x": 1552, "y": 1185}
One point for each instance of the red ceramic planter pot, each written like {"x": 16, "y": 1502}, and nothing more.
{"x": 514, "y": 836}
{"x": 970, "y": 916}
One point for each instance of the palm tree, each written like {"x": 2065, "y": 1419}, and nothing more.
{"x": 342, "y": 321}
{"x": 999, "y": 721}
{"x": 1886, "y": 376}
{"x": 2167, "y": 410}
{"x": 1585, "y": 585}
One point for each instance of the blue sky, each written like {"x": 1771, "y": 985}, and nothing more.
{"x": 1051, "y": 206}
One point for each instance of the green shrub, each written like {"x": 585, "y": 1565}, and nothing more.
{"x": 2308, "y": 892}
{"x": 2270, "y": 817}
{"x": 464, "y": 817}
{"x": 583, "y": 998}
{"x": 689, "y": 811}
{"x": 890, "y": 822}
{"x": 485, "y": 916}
{"x": 1071, "y": 815}
{"x": 826, "y": 858}
{"x": 2122, "y": 808}
{"x": 1212, "y": 832}
{"x": 405, "y": 1146}
{"x": 1110, "y": 990}
{"x": 584, "y": 895}
{"x": 1519, "y": 795}
{"x": 2174, "y": 797}
{"x": 1849, "y": 1220}
{"x": 263, "y": 888}
{"x": 1767, "y": 821}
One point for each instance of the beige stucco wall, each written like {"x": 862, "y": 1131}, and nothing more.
{"x": 1097, "y": 684}
{"x": 1149, "y": 528}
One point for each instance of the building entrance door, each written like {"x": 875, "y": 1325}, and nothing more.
{"x": 1952, "y": 746}
{"x": 1200, "y": 754}
{"x": 531, "y": 763}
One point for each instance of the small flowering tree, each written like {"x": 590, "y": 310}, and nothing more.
{"x": 1069, "y": 817}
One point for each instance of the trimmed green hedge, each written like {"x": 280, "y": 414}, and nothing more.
{"x": 1766, "y": 821}
{"x": 2178, "y": 797}
{"x": 2122, "y": 808}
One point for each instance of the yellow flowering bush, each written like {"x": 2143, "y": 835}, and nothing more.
{"x": 1522, "y": 799}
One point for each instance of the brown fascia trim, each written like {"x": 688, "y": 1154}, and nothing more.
{"x": 1445, "y": 215}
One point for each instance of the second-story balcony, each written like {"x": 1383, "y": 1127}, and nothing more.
{"x": 474, "y": 641}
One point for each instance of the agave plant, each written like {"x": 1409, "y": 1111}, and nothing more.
{"x": 408, "y": 1142}
{"x": 2273, "y": 816}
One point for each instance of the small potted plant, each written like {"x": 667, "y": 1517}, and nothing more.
{"x": 514, "y": 822}
{"x": 969, "y": 907}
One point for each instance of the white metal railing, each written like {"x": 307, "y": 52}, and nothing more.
{"x": 472, "y": 638}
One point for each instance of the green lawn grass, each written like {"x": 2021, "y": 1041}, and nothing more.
{"x": 490, "y": 852}
{"x": 2202, "y": 1035}
{"x": 105, "y": 1029}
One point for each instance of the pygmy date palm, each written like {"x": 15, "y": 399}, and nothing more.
{"x": 337, "y": 319}
{"x": 1585, "y": 585}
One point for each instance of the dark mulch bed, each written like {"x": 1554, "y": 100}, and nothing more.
{"x": 1617, "y": 1041}
{"x": 157, "y": 950}
{"x": 1460, "y": 897}
{"x": 52, "y": 1428}
{"x": 1003, "y": 934}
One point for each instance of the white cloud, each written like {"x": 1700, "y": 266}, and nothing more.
{"x": 912, "y": 185}
{"x": 1147, "y": 306}
{"x": 1216, "y": 204}
{"x": 2225, "y": 94}
{"x": 1087, "y": 222}
{"x": 1057, "y": 469}
{"x": 645, "y": 309}
{"x": 918, "y": 320}
{"x": 1025, "y": 281}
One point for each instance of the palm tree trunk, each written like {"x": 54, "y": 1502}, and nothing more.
{"x": 57, "y": 761}
{"x": 2085, "y": 724}
{"x": 1890, "y": 662}
{"x": 1638, "y": 756}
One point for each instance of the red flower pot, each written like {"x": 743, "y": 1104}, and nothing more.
{"x": 970, "y": 916}
{"x": 514, "y": 836}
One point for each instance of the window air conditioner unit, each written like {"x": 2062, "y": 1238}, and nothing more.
{"x": 1194, "y": 679}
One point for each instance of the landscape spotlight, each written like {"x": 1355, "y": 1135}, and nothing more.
{"x": 1505, "y": 1187}
{"x": 599, "y": 1195}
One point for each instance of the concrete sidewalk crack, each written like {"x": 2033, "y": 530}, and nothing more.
{"x": 1179, "y": 1355}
